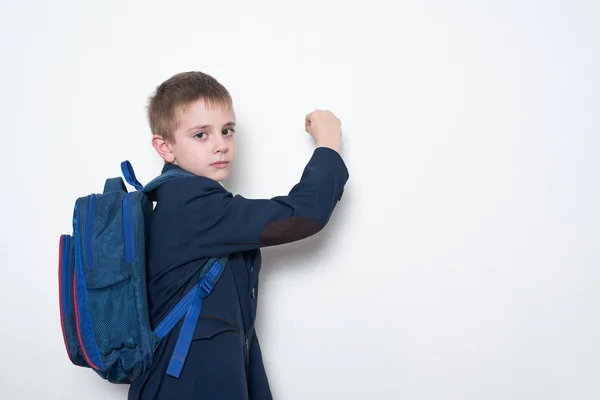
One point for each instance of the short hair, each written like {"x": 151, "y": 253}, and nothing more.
{"x": 177, "y": 94}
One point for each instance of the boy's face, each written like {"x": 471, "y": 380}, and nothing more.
{"x": 204, "y": 142}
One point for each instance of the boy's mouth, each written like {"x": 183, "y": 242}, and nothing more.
{"x": 220, "y": 164}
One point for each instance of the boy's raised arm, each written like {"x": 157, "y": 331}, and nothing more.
{"x": 251, "y": 223}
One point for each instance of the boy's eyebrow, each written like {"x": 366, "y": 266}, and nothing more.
{"x": 228, "y": 124}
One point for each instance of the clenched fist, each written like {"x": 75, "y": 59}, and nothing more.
{"x": 325, "y": 128}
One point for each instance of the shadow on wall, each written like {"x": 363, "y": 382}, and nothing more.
{"x": 306, "y": 252}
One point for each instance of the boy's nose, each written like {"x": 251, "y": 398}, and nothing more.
{"x": 220, "y": 145}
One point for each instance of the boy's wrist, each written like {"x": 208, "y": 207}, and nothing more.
{"x": 332, "y": 145}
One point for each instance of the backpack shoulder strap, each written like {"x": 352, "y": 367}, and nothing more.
{"x": 189, "y": 307}
{"x": 129, "y": 175}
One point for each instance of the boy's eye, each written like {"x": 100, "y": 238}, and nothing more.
{"x": 199, "y": 135}
{"x": 228, "y": 131}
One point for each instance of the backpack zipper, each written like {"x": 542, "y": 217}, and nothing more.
{"x": 89, "y": 231}
{"x": 66, "y": 274}
{"x": 128, "y": 227}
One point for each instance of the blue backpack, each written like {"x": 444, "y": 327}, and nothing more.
{"x": 102, "y": 284}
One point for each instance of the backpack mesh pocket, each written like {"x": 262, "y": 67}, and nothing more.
{"x": 114, "y": 316}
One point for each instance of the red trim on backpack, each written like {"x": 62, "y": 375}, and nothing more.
{"x": 85, "y": 355}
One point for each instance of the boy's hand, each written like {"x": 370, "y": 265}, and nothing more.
{"x": 325, "y": 128}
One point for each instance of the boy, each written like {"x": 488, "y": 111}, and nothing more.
{"x": 193, "y": 124}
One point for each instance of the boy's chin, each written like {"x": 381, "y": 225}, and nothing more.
{"x": 219, "y": 176}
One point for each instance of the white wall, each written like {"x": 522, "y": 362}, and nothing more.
{"x": 463, "y": 260}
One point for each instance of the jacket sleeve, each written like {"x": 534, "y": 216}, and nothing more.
{"x": 245, "y": 224}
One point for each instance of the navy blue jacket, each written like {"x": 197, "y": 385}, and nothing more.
{"x": 196, "y": 218}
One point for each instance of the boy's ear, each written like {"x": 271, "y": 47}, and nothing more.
{"x": 163, "y": 148}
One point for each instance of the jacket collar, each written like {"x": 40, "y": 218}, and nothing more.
{"x": 169, "y": 167}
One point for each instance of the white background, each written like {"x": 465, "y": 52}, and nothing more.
{"x": 462, "y": 262}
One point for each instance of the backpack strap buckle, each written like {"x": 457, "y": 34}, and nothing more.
{"x": 205, "y": 287}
